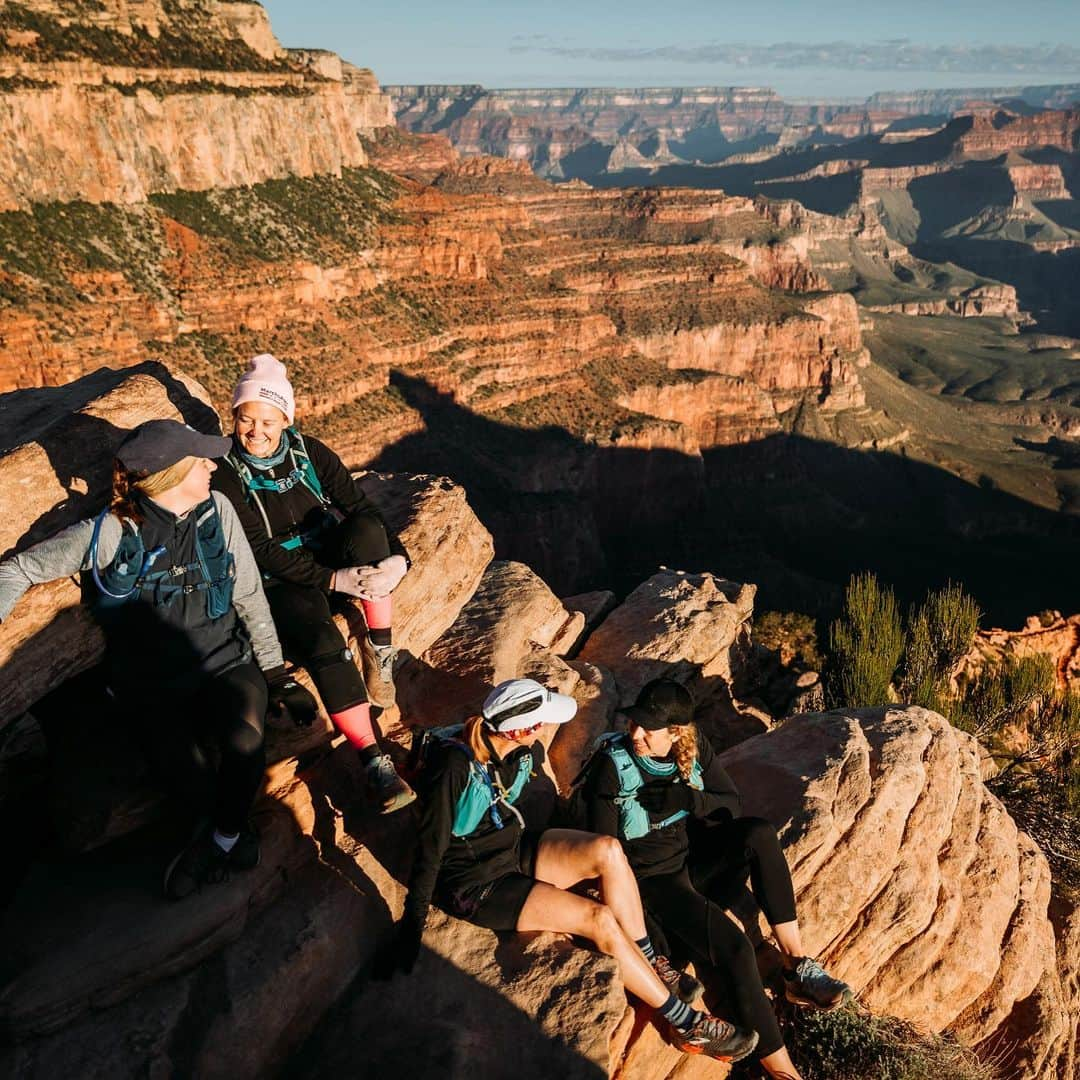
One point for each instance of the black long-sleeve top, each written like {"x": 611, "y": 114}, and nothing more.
{"x": 662, "y": 851}
{"x": 296, "y": 511}
{"x": 451, "y": 863}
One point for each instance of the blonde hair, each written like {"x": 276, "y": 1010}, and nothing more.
{"x": 126, "y": 483}
{"x": 684, "y": 749}
{"x": 472, "y": 735}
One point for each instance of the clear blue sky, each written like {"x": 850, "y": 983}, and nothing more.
{"x": 829, "y": 47}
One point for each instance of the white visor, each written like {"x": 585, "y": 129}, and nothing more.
{"x": 522, "y": 703}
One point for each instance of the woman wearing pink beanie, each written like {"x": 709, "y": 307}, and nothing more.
{"x": 314, "y": 533}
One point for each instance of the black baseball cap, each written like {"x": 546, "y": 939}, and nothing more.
{"x": 157, "y": 444}
{"x": 661, "y": 703}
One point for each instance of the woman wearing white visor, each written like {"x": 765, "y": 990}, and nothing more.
{"x": 475, "y": 859}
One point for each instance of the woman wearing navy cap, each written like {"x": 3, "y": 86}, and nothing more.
{"x": 478, "y": 863}
{"x": 662, "y": 791}
{"x": 187, "y": 631}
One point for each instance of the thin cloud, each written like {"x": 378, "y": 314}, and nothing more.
{"x": 897, "y": 55}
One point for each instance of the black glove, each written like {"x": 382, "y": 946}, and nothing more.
{"x": 289, "y": 698}
{"x": 400, "y": 951}
{"x": 666, "y": 798}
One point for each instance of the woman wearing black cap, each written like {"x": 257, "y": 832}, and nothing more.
{"x": 473, "y": 859}
{"x": 190, "y": 645}
{"x": 645, "y": 786}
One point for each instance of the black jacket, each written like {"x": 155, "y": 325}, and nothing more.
{"x": 445, "y": 863}
{"x": 665, "y": 850}
{"x": 295, "y": 511}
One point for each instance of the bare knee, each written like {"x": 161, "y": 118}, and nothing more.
{"x": 603, "y": 927}
{"x": 608, "y": 854}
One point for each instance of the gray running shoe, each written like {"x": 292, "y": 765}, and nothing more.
{"x": 680, "y": 983}
{"x": 715, "y": 1038}
{"x": 386, "y": 788}
{"x": 810, "y": 984}
{"x": 377, "y": 664}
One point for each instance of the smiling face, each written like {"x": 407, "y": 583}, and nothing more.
{"x": 647, "y": 743}
{"x": 258, "y": 426}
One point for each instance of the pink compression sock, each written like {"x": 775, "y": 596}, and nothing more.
{"x": 377, "y": 613}
{"x": 355, "y": 724}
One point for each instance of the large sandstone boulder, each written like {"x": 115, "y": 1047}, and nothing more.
{"x": 913, "y": 882}
{"x": 690, "y": 627}
{"x": 511, "y": 618}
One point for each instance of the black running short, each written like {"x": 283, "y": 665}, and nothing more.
{"x": 496, "y": 905}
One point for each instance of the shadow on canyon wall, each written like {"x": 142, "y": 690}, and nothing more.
{"x": 795, "y": 515}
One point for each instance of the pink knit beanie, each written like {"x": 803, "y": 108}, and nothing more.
{"x": 265, "y": 380}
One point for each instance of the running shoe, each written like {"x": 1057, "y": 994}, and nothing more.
{"x": 377, "y": 664}
{"x": 810, "y": 984}
{"x": 201, "y": 862}
{"x": 245, "y": 853}
{"x": 385, "y": 787}
{"x": 715, "y": 1038}
{"x": 680, "y": 983}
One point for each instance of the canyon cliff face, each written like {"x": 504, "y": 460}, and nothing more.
{"x": 547, "y": 128}
{"x": 526, "y": 339}
{"x": 167, "y": 95}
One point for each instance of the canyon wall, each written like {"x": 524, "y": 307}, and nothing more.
{"x": 121, "y": 102}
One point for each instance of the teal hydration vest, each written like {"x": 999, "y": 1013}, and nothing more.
{"x": 302, "y": 472}
{"x": 484, "y": 792}
{"x": 632, "y": 772}
{"x": 131, "y": 573}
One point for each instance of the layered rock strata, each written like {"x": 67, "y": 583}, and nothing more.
{"x": 112, "y": 102}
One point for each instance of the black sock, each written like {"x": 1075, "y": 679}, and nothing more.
{"x": 679, "y": 1014}
{"x": 381, "y": 636}
{"x": 646, "y": 946}
{"x": 369, "y": 753}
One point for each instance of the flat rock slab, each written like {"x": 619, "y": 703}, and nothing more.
{"x": 84, "y": 933}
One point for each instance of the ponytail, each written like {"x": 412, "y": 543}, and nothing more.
{"x": 685, "y": 748}
{"x": 473, "y": 736}
{"x": 122, "y": 501}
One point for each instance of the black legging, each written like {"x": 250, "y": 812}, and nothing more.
{"x": 692, "y": 911}
{"x": 305, "y": 623}
{"x": 229, "y": 708}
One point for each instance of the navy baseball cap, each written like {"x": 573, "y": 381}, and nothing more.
{"x": 157, "y": 444}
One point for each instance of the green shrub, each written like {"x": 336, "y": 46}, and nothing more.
{"x": 865, "y": 644}
{"x": 850, "y": 1044}
{"x": 792, "y": 634}
{"x": 939, "y": 634}
{"x": 1003, "y": 693}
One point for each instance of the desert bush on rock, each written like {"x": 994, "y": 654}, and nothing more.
{"x": 851, "y": 1044}
{"x": 865, "y": 645}
{"x": 939, "y": 633}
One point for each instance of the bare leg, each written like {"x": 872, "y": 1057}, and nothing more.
{"x": 567, "y": 856}
{"x": 789, "y": 939}
{"x": 550, "y": 908}
{"x": 778, "y": 1064}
